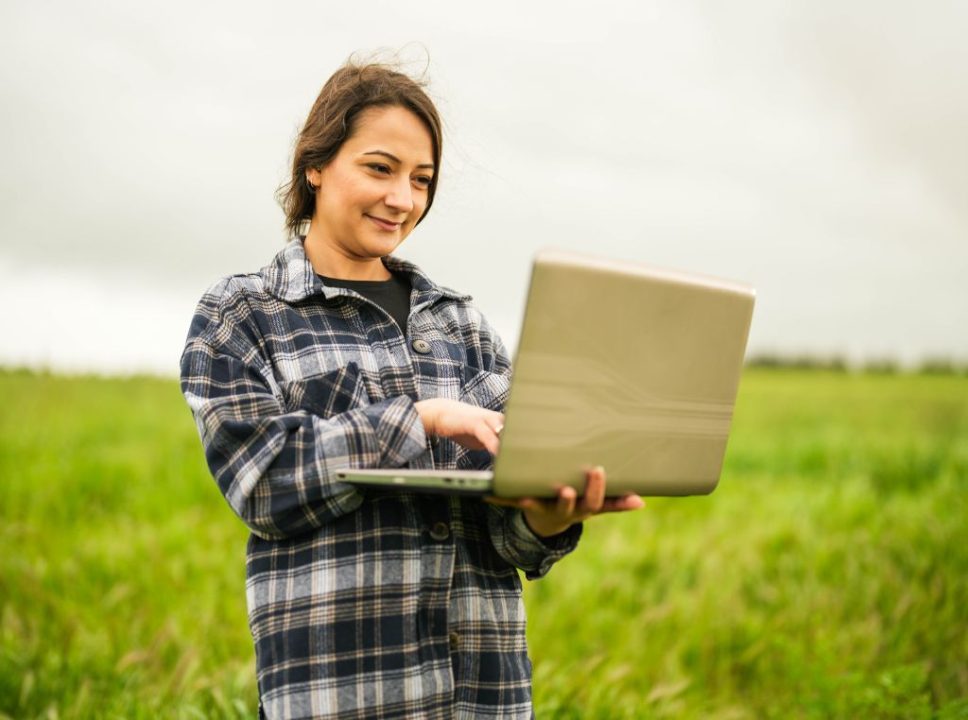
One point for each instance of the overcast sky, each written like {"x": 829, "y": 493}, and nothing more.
{"x": 817, "y": 150}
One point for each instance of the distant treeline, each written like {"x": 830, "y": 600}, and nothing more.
{"x": 837, "y": 363}
{"x": 828, "y": 363}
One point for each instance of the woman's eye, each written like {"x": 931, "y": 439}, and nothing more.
{"x": 423, "y": 181}
{"x": 379, "y": 167}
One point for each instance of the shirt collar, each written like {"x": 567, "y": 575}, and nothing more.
{"x": 291, "y": 278}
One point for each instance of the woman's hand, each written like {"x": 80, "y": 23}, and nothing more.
{"x": 473, "y": 427}
{"x": 551, "y": 517}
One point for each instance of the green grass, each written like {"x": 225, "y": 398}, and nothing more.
{"x": 826, "y": 577}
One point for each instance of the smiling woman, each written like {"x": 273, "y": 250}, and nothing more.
{"x": 336, "y": 355}
{"x": 370, "y": 195}
{"x": 336, "y": 115}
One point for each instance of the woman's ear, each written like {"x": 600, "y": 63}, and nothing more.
{"x": 313, "y": 178}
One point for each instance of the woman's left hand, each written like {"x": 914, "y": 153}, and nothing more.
{"x": 554, "y": 516}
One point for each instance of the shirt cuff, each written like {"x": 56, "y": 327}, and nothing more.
{"x": 526, "y": 550}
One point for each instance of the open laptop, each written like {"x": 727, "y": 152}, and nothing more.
{"x": 631, "y": 367}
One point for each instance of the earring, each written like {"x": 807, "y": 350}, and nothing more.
{"x": 312, "y": 188}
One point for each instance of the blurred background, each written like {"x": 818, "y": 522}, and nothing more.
{"x": 814, "y": 149}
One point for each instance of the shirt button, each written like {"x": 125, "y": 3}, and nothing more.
{"x": 421, "y": 346}
{"x": 454, "y": 640}
{"x": 440, "y": 531}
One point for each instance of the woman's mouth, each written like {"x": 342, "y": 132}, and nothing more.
{"x": 385, "y": 225}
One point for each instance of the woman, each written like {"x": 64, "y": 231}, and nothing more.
{"x": 337, "y": 354}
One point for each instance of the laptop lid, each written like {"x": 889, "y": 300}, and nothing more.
{"x": 629, "y": 366}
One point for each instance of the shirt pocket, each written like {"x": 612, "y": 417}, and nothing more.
{"x": 327, "y": 394}
{"x": 485, "y": 389}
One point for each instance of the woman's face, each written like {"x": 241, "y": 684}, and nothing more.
{"x": 374, "y": 190}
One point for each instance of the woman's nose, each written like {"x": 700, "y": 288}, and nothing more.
{"x": 400, "y": 196}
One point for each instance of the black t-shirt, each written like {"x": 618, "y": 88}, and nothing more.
{"x": 392, "y": 295}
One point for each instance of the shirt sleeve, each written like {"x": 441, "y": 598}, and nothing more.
{"x": 517, "y": 543}
{"x": 273, "y": 457}
{"x": 510, "y": 534}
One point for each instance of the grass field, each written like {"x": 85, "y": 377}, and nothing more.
{"x": 827, "y": 577}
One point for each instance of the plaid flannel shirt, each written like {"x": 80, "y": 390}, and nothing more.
{"x": 368, "y": 603}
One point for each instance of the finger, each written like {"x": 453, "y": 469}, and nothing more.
{"x": 487, "y": 437}
{"x": 594, "y": 496}
{"x": 495, "y": 419}
{"x": 623, "y": 503}
{"x": 565, "y": 506}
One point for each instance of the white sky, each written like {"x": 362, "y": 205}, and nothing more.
{"x": 814, "y": 149}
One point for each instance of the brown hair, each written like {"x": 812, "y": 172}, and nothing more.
{"x": 349, "y": 91}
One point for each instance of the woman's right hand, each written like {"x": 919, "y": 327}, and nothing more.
{"x": 473, "y": 427}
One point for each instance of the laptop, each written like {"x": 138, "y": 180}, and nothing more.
{"x": 628, "y": 366}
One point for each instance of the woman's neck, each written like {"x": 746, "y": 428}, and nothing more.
{"x": 333, "y": 262}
